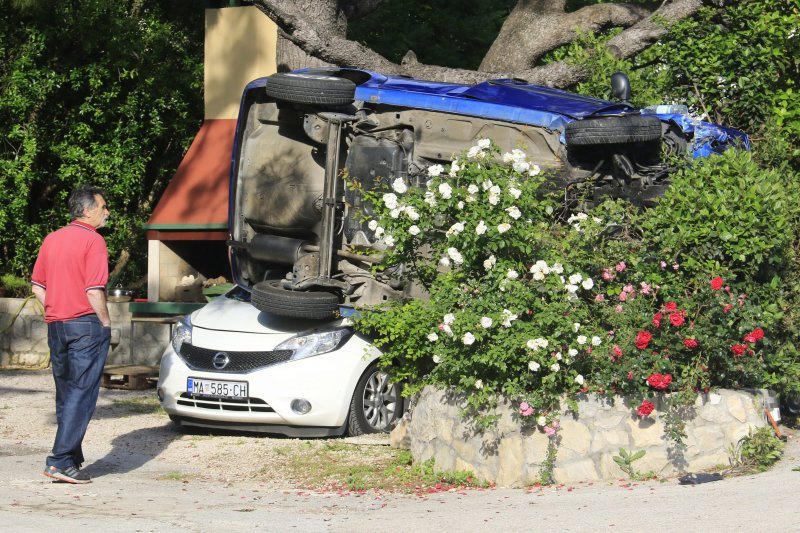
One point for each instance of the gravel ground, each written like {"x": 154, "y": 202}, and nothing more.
{"x": 129, "y": 430}
{"x": 149, "y": 477}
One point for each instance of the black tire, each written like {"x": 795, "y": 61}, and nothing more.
{"x": 790, "y": 404}
{"x": 613, "y": 130}
{"x": 271, "y": 297}
{"x": 310, "y": 88}
{"x": 376, "y": 404}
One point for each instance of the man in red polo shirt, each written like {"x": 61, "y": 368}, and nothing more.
{"x": 69, "y": 279}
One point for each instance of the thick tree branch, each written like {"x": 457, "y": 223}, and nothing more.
{"x": 331, "y": 46}
{"x": 535, "y": 28}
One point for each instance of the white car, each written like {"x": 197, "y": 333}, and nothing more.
{"x": 230, "y": 366}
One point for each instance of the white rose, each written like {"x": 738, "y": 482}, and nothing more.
{"x": 447, "y": 329}
{"x": 372, "y": 225}
{"x": 532, "y": 344}
{"x": 478, "y": 384}
{"x": 454, "y": 168}
{"x": 394, "y": 213}
{"x": 390, "y": 200}
{"x": 557, "y": 268}
{"x": 579, "y": 379}
{"x": 512, "y": 274}
{"x": 487, "y": 185}
{"x": 437, "y": 359}
{"x": 455, "y": 229}
{"x": 445, "y": 190}
{"x": 400, "y": 186}
{"x": 587, "y": 284}
{"x": 455, "y": 255}
{"x": 555, "y": 367}
{"x": 379, "y": 231}
{"x": 535, "y": 170}
{"x": 484, "y": 143}
{"x": 468, "y": 338}
{"x": 486, "y": 322}
{"x": 582, "y": 339}
{"x": 433, "y": 171}
{"x": 472, "y": 189}
{"x": 494, "y": 199}
{"x": 489, "y": 263}
{"x": 572, "y": 352}
{"x": 571, "y": 288}
{"x": 534, "y": 366}
{"x": 460, "y": 205}
{"x": 433, "y": 337}
{"x": 521, "y": 166}
{"x": 575, "y": 279}
{"x": 596, "y": 341}
{"x": 513, "y": 191}
{"x": 504, "y": 227}
{"x": 414, "y": 230}
{"x": 449, "y": 318}
{"x": 411, "y": 212}
{"x": 389, "y": 240}
{"x": 430, "y": 199}
{"x": 481, "y": 228}
{"x": 542, "y": 421}
{"x": 514, "y": 212}
{"x": 538, "y": 275}
{"x": 558, "y": 356}
{"x": 444, "y": 261}
{"x": 576, "y": 326}
{"x": 473, "y": 152}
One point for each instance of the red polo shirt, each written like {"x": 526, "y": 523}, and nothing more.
{"x": 71, "y": 261}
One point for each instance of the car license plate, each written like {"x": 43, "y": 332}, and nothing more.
{"x": 217, "y": 388}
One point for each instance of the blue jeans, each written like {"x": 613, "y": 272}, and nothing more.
{"x": 78, "y": 351}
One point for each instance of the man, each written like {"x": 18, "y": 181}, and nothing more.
{"x": 69, "y": 279}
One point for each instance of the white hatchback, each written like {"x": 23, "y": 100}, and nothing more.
{"x": 231, "y": 366}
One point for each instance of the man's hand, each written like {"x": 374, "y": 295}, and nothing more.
{"x": 97, "y": 299}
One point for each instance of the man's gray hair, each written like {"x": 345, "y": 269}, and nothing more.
{"x": 82, "y": 198}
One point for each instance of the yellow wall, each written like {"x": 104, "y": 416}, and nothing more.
{"x": 239, "y": 47}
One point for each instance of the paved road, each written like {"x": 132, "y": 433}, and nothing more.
{"x": 134, "y": 491}
{"x": 139, "y": 501}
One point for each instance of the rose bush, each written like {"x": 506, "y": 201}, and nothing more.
{"x": 527, "y": 301}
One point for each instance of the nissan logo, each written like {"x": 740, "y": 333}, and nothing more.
{"x": 220, "y": 360}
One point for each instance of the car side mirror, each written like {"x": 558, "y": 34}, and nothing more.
{"x": 620, "y": 86}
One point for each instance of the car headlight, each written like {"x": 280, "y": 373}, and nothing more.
{"x": 310, "y": 343}
{"x": 182, "y": 333}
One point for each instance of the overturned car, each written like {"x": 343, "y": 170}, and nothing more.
{"x": 298, "y": 238}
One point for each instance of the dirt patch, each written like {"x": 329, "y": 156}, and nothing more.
{"x": 130, "y": 431}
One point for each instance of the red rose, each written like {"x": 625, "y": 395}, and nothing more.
{"x": 670, "y": 307}
{"x": 659, "y": 381}
{"x": 690, "y": 343}
{"x": 657, "y": 319}
{"x": 738, "y": 349}
{"x": 645, "y": 408}
{"x": 717, "y": 283}
{"x": 750, "y": 338}
{"x": 676, "y": 319}
{"x": 758, "y": 334}
{"x": 643, "y": 338}
{"x": 617, "y": 350}
{"x": 630, "y": 375}
{"x": 727, "y": 308}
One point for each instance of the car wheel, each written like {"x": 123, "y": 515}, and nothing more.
{"x": 613, "y": 130}
{"x": 310, "y": 88}
{"x": 271, "y": 297}
{"x": 790, "y": 404}
{"x": 376, "y": 404}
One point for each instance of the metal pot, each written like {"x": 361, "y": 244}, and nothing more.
{"x": 118, "y": 294}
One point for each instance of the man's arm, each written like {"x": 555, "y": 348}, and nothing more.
{"x": 97, "y": 299}
{"x": 39, "y": 292}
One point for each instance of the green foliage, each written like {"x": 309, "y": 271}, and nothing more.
{"x": 440, "y": 32}
{"x": 626, "y": 459}
{"x": 758, "y": 450}
{"x": 93, "y": 92}
{"x": 537, "y": 305}
{"x": 15, "y": 287}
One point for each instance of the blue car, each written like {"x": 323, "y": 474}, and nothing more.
{"x": 294, "y": 227}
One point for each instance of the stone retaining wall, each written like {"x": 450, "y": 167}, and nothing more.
{"x": 24, "y": 343}
{"x": 512, "y": 455}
